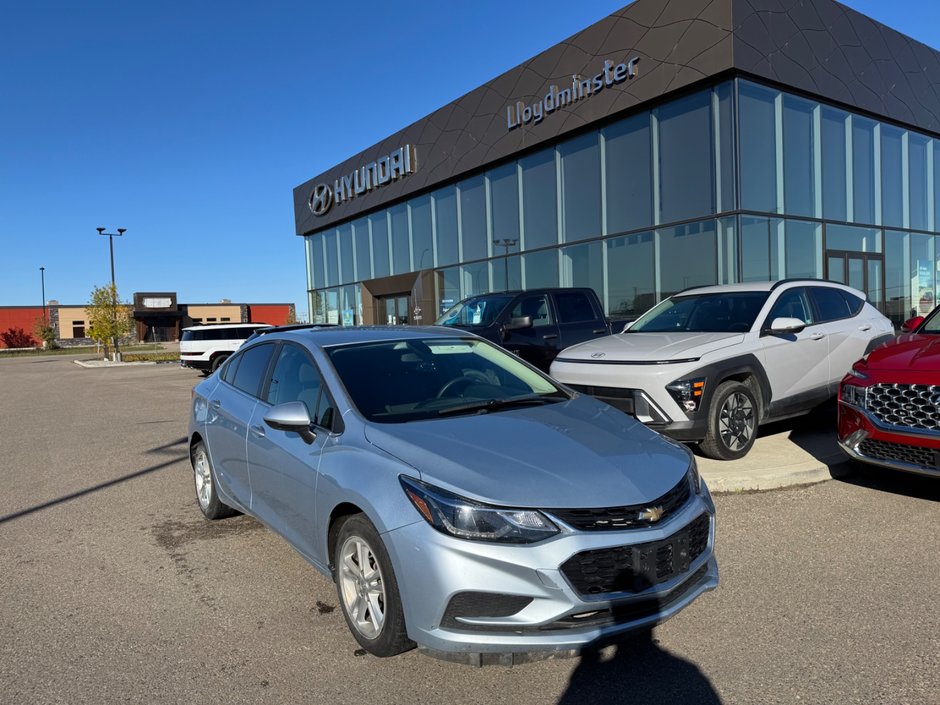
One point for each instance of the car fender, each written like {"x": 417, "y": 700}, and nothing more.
{"x": 737, "y": 367}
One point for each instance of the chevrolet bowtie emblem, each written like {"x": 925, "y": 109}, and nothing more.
{"x": 651, "y": 514}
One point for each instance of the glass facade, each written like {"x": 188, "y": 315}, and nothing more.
{"x": 736, "y": 182}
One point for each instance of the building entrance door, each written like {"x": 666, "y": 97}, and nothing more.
{"x": 861, "y": 270}
{"x": 394, "y": 310}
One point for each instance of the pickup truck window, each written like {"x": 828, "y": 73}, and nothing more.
{"x": 574, "y": 307}
{"x": 474, "y": 312}
{"x": 536, "y": 307}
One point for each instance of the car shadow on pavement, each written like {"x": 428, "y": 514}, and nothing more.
{"x": 637, "y": 670}
{"x": 890, "y": 481}
{"x": 166, "y": 449}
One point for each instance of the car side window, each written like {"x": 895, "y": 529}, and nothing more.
{"x": 830, "y": 303}
{"x": 574, "y": 306}
{"x": 792, "y": 304}
{"x": 251, "y": 368}
{"x": 295, "y": 378}
{"x": 536, "y": 307}
{"x": 854, "y": 302}
{"x": 228, "y": 372}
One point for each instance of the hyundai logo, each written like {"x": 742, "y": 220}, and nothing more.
{"x": 321, "y": 199}
{"x": 598, "y": 355}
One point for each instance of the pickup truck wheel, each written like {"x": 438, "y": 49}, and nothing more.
{"x": 732, "y": 422}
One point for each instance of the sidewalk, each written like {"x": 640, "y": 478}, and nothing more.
{"x": 795, "y": 452}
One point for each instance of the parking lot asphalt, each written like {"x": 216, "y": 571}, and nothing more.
{"x": 114, "y": 589}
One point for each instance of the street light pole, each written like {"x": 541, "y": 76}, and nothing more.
{"x": 42, "y": 276}
{"x": 120, "y": 232}
{"x": 506, "y": 243}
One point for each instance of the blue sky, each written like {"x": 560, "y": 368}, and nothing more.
{"x": 189, "y": 123}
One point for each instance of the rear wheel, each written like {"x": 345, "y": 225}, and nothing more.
{"x": 216, "y": 361}
{"x": 206, "y": 494}
{"x": 367, "y": 589}
{"x": 732, "y": 422}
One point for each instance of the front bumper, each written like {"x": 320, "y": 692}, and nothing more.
{"x": 523, "y": 599}
{"x": 862, "y": 438}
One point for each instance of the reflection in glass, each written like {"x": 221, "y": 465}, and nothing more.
{"x": 541, "y": 269}
{"x": 504, "y": 201}
{"x": 758, "y": 151}
{"x": 401, "y": 255}
{"x": 686, "y": 159}
{"x": 725, "y": 149}
{"x": 448, "y": 288}
{"x": 583, "y": 265}
{"x": 317, "y": 260}
{"x": 688, "y": 256}
{"x": 346, "y": 270}
{"x": 631, "y": 283}
{"x": 629, "y": 174}
{"x": 421, "y": 233}
{"x": 581, "y": 187}
{"x": 897, "y": 277}
{"x": 799, "y": 183}
{"x": 803, "y": 248}
{"x": 475, "y": 279}
{"x": 500, "y": 280}
{"x": 892, "y": 190}
{"x": 853, "y": 239}
{"x": 832, "y": 142}
{"x": 445, "y": 211}
{"x": 378, "y": 222}
{"x": 332, "y": 258}
{"x": 923, "y": 273}
{"x": 917, "y": 179}
{"x": 539, "y": 197}
{"x": 863, "y": 169}
{"x": 473, "y": 218}
{"x": 363, "y": 249}
{"x": 755, "y": 249}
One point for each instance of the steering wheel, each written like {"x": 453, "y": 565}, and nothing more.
{"x": 453, "y": 384}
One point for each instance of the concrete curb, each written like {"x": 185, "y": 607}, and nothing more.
{"x": 109, "y": 363}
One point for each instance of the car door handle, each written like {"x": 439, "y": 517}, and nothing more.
{"x": 550, "y": 336}
{"x": 215, "y": 404}
{"x": 865, "y": 327}
{"x": 257, "y": 431}
{"x": 599, "y": 331}
{"x": 817, "y": 336}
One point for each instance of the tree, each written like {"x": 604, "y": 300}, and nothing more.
{"x": 17, "y": 338}
{"x": 45, "y": 331}
{"x": 108, "y": 319}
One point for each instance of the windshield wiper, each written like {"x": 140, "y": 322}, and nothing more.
{"x": 488, "y": 405}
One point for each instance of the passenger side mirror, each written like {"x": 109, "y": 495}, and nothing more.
{"x": 520, "y": 322}
{"x": 911, "y": 324}
{"x": 785, "y": 324}
{"x": 292, "y": 416}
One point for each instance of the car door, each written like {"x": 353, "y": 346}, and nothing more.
{"x": 846, "y": 333}
{"x": 283, "y": 466}
{"x": 537, "y": 344}
{"x": 231, "y": 405}
{"x": 796, "y": 364}
{"x": 578, "y": 318}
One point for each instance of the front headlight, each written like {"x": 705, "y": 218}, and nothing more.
{"x": 854, "y": 395}
{"x": 695, "y": 479}
{"x": 465, "y": 519}
{"x": 687, "y": 392}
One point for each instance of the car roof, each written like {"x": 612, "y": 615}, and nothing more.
{"x": 348, "y": 335}
{"x": 227, "y": 325}
{"x": 767, "y": 286}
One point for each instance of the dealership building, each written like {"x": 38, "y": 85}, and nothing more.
{"x": 672, "y": 144}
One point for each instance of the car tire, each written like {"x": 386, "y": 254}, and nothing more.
{"x": 207, "y": 496}
{"x": 216, "y": 362}
{"x": 732, "y": 422}
{"x": 368, "y": 590}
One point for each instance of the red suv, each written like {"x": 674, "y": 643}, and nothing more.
{"x": 889, "y": 402}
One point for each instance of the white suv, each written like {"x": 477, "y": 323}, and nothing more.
{"x": 709, "y": 365}
{"x": 206, "y": 347}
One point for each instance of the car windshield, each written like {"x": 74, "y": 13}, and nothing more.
{"x": 703, "y": 313}
{"x": 407, "y": 380}
{"x": 932, "y": 324}
{"x": 475, "y": 312}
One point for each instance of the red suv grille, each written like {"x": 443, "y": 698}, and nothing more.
{"x": 908, "y": 405}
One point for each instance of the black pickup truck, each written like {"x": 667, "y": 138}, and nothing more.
{"x": 536, "y": 324}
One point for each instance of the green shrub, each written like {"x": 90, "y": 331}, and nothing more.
{"x": 151, "y": 357}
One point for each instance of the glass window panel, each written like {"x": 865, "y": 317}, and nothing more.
{"x": 799, "y": 183}
{"x": 380, "y": 263}
{"x": 835, "y": 267}
{"x": 251, "y": 369}
{"x": 581, "y": 187}
{"x": 863, "y": 169}
{"x": 363, "y": 249}
{"x": 631, "y": 282}
{"x": 401, "y": 256}
{"x": 728, "y": 246}
{"x": 332, "y": 257}
{"x": 504, "y": 201}
{"x": 317, "y": 261}
{"x": 686, "y": 167}
{"x": 539, "y": 198}
{"x": 833, "y": 163}
{"x": 627, "y": 156}
{"x": 448, "y": 287}
{"x": 936, "y": 184}
{"x": 892, "y": 206}
{"x": 688, "y": 256}
{"x": 755, "y": 249}
{"x": 350, "y": 312}
{"x": 875, "y": 294}
{"x": 856, "y": 272}
{"x": 923, "y": 273}
{"x": 897, "y": 277}
{"x": 854, "y": 239}
{"x": 541, "y": 269}
{"x": 917, "y": 179}
{"x": 473, "y": 218}
{"x": 583, "y": 265}
{"x": 802, "y": 248}
{"x": 758, "y": 151}
{"x": 346, "y": 269}
{"x": 421, "y": 233}
{"x": 475, "y": 279}
{"x": 445, "y": 212}
{"x": 500, "y": 280}
{"x": 724, "y": 92}
{"x": 332, "y": 306}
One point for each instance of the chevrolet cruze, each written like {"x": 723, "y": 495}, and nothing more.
{"x": 459, "y": 498}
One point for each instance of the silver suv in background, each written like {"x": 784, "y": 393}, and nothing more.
{"x": 708, "y": 365}
{"x": 206, "y": 347}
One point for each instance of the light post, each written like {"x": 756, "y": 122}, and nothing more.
{"x": 506, "y": 243}
{"x": 42, "y": 276}
{"x": 120, "y": 232}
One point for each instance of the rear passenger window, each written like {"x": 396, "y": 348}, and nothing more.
{"x": 574, "y": 306}
{"x": 855, "y": 303}
{"x": 830, "y": 303}
{"x": 251, "y": 368}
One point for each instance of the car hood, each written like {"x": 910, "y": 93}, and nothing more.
{"x": 577, "y": 453}
{"x": 919, "y": 353}
{"x": 649, "y": 347}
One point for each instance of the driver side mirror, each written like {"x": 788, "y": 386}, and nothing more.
{"x": 515, "y": 324}
{"x": 911, "y": 324}
{"x": 785, "y": 324}
{"x": 292, "y": 416}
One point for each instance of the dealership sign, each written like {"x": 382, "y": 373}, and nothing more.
{"x": 381, "y": 172}
{"x": 579, "y": 89}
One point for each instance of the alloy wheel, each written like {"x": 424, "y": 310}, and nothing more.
{"x": 736, "y": 421}
{"x": 361, "y": 587}
{"x": 203, "y": 478}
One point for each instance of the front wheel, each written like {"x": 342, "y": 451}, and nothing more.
{"x": 367, "y": 589}
{"x": 204, "y": 477}
{"x": 732, "y": 422}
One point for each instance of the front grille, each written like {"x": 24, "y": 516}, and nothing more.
{"x": 926, "y": 458}
{"x": 620, "y": 518}
{"x": 914, "y": 406}
{"x": 480, "y": 604}
{"x": 637, "y": 567}
{"x": 616, "y": 397}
